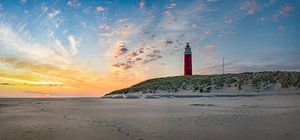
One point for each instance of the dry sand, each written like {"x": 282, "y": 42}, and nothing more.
{"x": 260, "y": 117}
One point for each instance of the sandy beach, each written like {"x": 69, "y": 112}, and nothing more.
{"x": 269, "y": 117}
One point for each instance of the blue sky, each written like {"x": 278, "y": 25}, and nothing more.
{"x": 127, "y": 41}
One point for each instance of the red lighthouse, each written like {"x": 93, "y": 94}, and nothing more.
{"x": 187, "y": 60}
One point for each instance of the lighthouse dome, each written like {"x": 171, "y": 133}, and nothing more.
{"x": 187, "y": 49}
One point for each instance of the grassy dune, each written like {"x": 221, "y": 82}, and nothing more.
{"x": 242, "y": 82}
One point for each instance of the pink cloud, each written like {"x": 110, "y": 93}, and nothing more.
{"x": 251, "y": 7}
{"x": 285, "y": 10}
{"x": 100, "y": 9}
{"x": 121, "y": 49}
{"x": 168, "y": 14}
{"x": 142, "y": 4}
{"x": 210, "y": 47}
{"x": 208, "y": 33}
{"x": 194, "y": 26}
{"x": 104, "y": 27}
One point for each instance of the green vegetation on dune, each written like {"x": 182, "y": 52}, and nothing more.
{"x": 253, "y": 81}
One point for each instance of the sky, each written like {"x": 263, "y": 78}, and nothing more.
{"x": 60, "y": 48}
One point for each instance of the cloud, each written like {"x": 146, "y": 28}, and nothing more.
{"x": 250, "y": 6}
{"x": 23, "y": 1}
{"x": 228, "y": 20}
{"x": 53, "y": 14}
{"x": 83, "y": 24}
{"x": 31, "y": 69}
{"x": 87, "y": 10}
{"x": 7, "y": 84}
{"x": 19, "y": 63}
{"x": 210, "y": 47}
{"x": 103, "y": 27}
{"x": 226, "y": 33}
{"x": 195, "y": 26}
{"x": 169, "y": 42}
{"x": 171, "y": 6}
{"x": 120, "y": 49}
{"x": 168, "y": 14}
{"x": 44, "y": 8}
{"x": 100, "y": 9}
{"x": 74, "y": 44}
{"x": 122, "y": 65}
{"x": 152, "y": 56}
{"x": 213, "y": 0}
{"x": 73, "y": 4}
{"x": 142, "y": 4}
{"x": 29, "y": 73}
{"x": 284, "y": 11}
{"x": 32, "y": 83}
{"x": 281, "y": 28}
{"x": 106, "y": 35}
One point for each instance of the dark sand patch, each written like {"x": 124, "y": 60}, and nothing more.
{"x": 207, "y": 105}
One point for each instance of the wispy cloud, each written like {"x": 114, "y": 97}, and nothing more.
{"x": 74, "y": 4}
{"x": 53, "y": 14}
{"x": 19, "y": 41}
{"x": 44, "y": 8}
{"x": 285, "y": 10}
{"x": 171, "y": 6}
{"x": 74, "y": 44}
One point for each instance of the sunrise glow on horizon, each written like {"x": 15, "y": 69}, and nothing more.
{"x": 88, "y": 48}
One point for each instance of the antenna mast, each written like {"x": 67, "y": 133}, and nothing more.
{"x": 223, "y": 67}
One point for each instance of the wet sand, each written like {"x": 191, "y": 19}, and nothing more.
{"x": 258, "y": 117}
